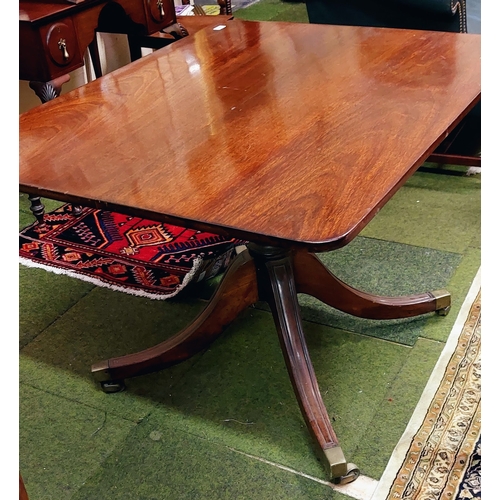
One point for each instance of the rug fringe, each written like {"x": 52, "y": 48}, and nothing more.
{"x": 137, "y": 293}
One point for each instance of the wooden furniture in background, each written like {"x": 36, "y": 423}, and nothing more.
{"x": 189, "y": 26}
{"x": 54, "y": 35}
{"x": 259, "y": 132}
{"x": 23, "y": 494}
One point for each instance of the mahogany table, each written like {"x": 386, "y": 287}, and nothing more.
{"x": 290, "y": 136}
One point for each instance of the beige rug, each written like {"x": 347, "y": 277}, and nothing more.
{"x": 439, "y": 455}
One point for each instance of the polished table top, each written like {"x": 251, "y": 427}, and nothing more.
{"x": 279, "y": 133}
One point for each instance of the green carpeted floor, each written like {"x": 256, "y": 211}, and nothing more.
{"x": 209, "y": 428}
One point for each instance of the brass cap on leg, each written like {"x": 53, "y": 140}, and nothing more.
{"x": 443, "y": 300}
{"x": 336, "y": 463}
{"x": 341, "y": 472}
{"x": 100, "y": 371}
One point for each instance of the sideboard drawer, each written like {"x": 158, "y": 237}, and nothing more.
{"x": 61, "y": 41}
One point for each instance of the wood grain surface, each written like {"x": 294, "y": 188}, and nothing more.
{"x": 280, "y": 133}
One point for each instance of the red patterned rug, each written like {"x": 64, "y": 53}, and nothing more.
{"x": 130, "y": 254}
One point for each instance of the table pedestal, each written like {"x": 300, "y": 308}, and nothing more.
{"x": 276, "y": 275}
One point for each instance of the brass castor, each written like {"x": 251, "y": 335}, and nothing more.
{"x": 111, "y": 387}
{"x": 444, "y": 311}
{"x": 352, "y": 474}
{"x": 443, "y": 302}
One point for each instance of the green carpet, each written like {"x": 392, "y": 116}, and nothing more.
{"x": 274, "y": 10}
{"x": 213, "y": 427}
{"x": 236, "y": 396}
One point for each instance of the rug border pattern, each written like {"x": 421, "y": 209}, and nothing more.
{"x": 421, "y": 465}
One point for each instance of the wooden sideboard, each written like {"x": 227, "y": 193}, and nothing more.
{"x": 54, "y": 35}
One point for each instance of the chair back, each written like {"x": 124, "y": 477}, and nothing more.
{"x": 433, "y": 15}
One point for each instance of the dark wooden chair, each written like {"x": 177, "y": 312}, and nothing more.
{"x": 462, "y": 146}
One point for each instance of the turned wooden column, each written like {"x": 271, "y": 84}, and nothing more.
{"x": 45, "y": 91}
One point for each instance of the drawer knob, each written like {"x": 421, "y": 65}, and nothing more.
{"x": 159, "y": 3}
{"x": 62, "y": 47}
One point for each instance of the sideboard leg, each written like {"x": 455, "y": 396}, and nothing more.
{"x": 37, "y": 208}
{"x": 45, "y": 91}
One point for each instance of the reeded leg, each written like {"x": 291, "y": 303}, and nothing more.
{"x": 236, "y": 292}
{"x": 313, "y": 278}
{"x": 277, "y": 287}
